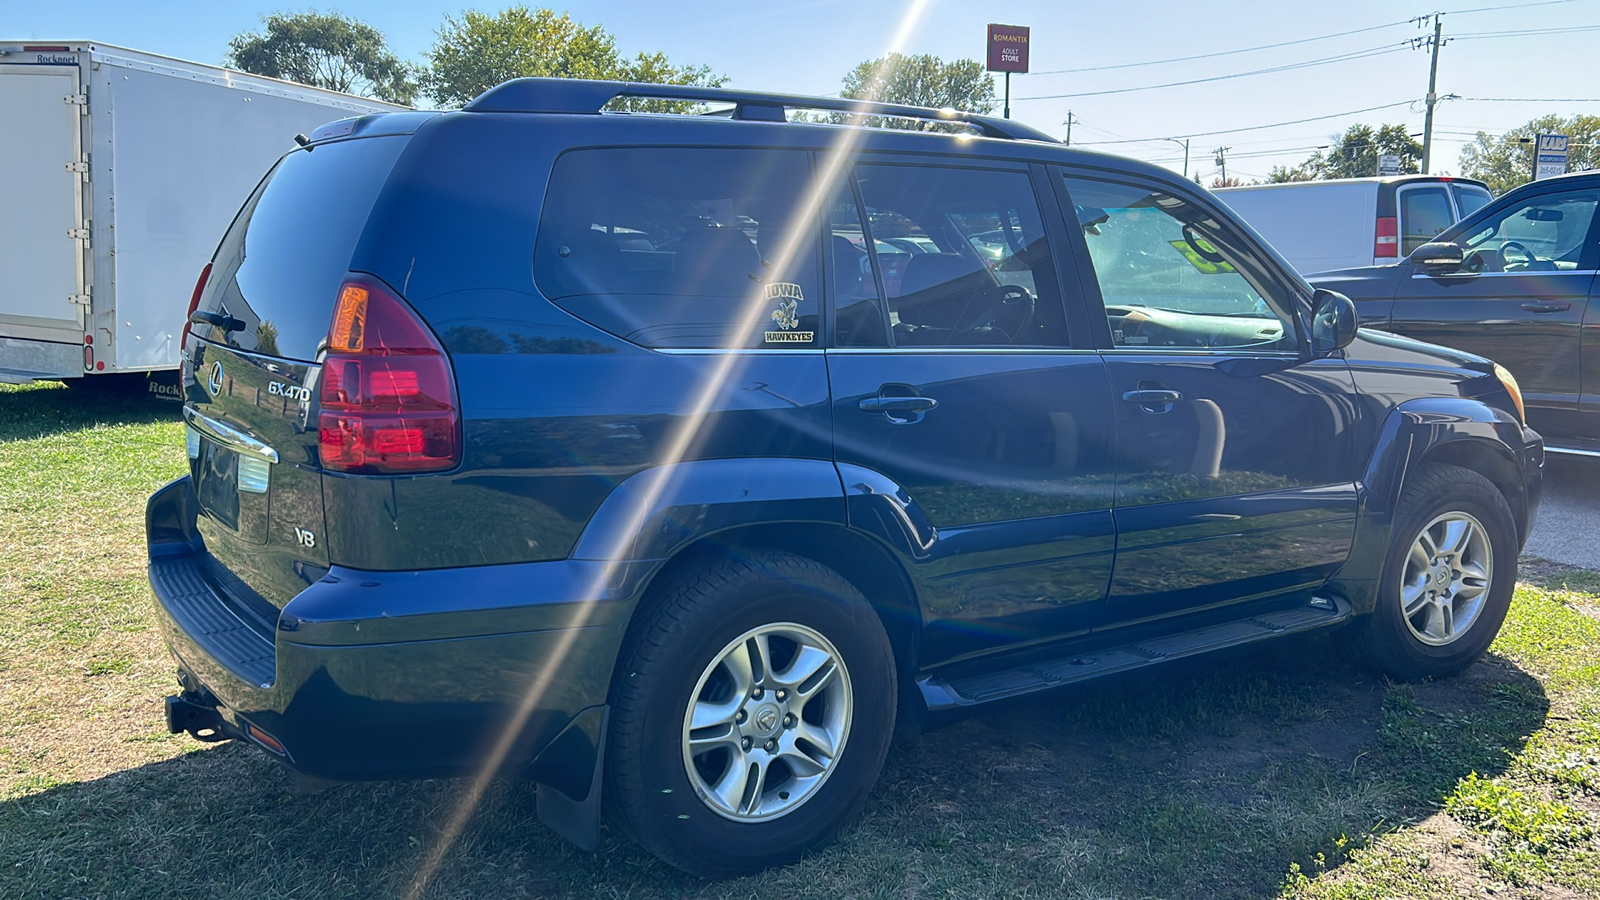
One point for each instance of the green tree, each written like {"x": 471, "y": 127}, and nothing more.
{"x": 1354, "y": 154}
{"x": 1506, "y": 161}
{"x": 922, "y": 80}
{"x": 478, "y": 51}
{"x": 267, "y": 338}
{"x": 327, "y": 50}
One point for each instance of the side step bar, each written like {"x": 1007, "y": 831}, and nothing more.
{"x": 970, "y": 690}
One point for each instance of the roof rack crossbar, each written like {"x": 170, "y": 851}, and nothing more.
{"x": 570, "y": 95}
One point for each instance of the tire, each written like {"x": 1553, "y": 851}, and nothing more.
{"x": 1453, "y": 550}
{"x": 691, "y": 649}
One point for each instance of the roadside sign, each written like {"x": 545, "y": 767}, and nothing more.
{"x": 1008, "y": 48}
{"x": 1389, "y": 164}
{"x": 1550, "y": 156}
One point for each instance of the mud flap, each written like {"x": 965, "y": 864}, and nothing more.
{"x": 577, "y": 820}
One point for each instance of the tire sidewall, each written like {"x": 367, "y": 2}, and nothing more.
{"x": 668, "y": 808}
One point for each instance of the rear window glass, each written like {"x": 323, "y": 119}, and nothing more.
{"x": 676, "y": 247}
{"x": 1424, "y": 212}
{"x": 279, "y": 267}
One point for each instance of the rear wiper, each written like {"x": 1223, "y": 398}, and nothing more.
{"x": 217, "y": 320}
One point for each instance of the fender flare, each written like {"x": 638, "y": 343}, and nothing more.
{"x": 657, "y": 512}
{"x": 1412, "y": 432}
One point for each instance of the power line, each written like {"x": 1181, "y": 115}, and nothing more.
{"x": 1309, "y": 40}
{"x": 1158, "y": 62}
{"x": 1530, "y": 99}
{"x": 1462, "y": 12}
{"x": 1490, "y": 35}
{"x": 1345, "y": 57}
{"x": 1353, "y": 112}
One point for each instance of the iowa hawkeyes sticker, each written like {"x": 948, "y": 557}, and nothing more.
{"x": 787, "y": 315}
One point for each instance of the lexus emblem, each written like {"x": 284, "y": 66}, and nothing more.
{"x": 214, "y": 378}
{"x": 766, "y": 719}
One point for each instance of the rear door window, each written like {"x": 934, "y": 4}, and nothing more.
{"x": 684, "y": 247}
{"x": 1424, "y": 212}
{"x": 957, "y": 257}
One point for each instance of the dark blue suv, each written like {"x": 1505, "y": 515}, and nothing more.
{"x": 681, "y": 459}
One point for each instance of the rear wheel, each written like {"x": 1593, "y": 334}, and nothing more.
{"x": 751, "y": 716}
{"x": 1447, "y": 580}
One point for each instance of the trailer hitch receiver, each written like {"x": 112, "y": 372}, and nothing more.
{"x": 200, "y": 719}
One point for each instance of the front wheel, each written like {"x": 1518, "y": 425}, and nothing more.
{"x": 752, "y": 714}
{"x": 1447, "y": 580}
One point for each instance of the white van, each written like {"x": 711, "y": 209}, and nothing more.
{"x": 1319, "y": 226}
{"x": 109, "y": 218}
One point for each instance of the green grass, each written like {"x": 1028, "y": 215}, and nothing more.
{"x": 1289, "y": 773}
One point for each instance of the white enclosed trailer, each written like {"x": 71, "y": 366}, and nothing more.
{"x": 119, "y": 172}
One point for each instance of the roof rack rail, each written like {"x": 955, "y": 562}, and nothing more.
{"x": 573, "y": 95}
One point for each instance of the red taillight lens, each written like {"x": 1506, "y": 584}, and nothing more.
{"x": 1388, "y": 239}
{"x": 386, "y": 391}
{"x": 194, "y": 303}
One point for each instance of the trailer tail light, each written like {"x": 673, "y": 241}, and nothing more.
{"x": 194, "y": 304}
{"x": 1387, "y": 243}
{"x": 387, "y": 394}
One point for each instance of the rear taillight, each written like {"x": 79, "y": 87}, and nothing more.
{"x": 194, "y": 303}
{"x": 387, "y": 394}
{"x": 1388, "y": 239}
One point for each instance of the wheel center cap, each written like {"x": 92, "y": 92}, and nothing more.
{"x": 766, "y": 719}
{"x": 1443, "y": 576}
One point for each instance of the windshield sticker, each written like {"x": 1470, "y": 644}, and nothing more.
{"x": 787, "y": 315}
{"x": 1203, "y": 265}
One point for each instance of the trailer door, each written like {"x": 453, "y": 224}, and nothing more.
{"x": 41, "y": 202}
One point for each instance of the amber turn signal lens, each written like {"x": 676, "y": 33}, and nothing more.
{"x": 348, "y": 334}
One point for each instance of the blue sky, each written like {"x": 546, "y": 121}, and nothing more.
{"x": 806, "y": 46}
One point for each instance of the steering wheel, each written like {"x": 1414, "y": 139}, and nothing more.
{"x": 1008, "y": 307}
{"x": 1194, "y": 244}
{"x": 1524, "y": 252}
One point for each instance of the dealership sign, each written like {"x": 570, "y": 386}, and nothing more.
{"x": 1550, "y": 156}
{"x": 1008, "y": 48}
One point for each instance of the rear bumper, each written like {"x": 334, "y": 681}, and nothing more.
{"x": 374, "y": 675}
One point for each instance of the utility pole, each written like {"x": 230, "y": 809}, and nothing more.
{"x": 1222, "y": 161}
{"x": 1433, "y": 44}
{"x": 1068, "y": 123}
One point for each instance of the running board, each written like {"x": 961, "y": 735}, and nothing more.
{"x": 1570, "y": 451}
{"x": 970, "y": 690}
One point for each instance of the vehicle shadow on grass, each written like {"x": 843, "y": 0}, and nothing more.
{"x": 1202, "y": 781}
{"x": 43, "y": 409}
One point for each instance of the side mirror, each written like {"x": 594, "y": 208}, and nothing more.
{"x": 1333, "y": 324}
{"x": 1439, "y": 256}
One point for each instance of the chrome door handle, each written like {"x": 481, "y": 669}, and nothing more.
{"x": 1152, "y": 397}
{"x": 1546, "y": 306}
{"x": 898, "y": 404}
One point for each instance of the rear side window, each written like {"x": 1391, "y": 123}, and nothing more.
{"x": 684, "y": 248}
{"x": 279, "y": 267}
{"x": 1470, "y": 198}
{"x": 1424, "y": 212}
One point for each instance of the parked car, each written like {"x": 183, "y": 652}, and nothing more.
{"x": 1514, "y": 282}
{"x": 1345, "y": 222}
{"x": 560, "y": 474}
